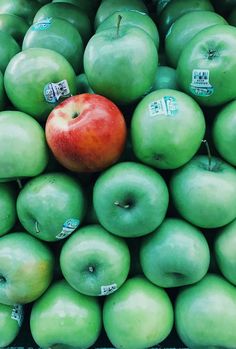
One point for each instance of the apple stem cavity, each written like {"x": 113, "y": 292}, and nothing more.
{"x": 119, "y": 204}
{"x": 208, "y": 154}
{"x": 37, "y": 227}
{"x": 2, "y": 279}
{"x": 211, "y": 54}
{"x": 75, "y": 115}
{"x": 118, "y": 25}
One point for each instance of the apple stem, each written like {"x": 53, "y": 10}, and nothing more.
{"x": 208, "y": 154}
{"x": 91, "y": 269}
{"x": 37, "y": 227}
{"x": 117, "y": 203}
{"x": 18, "y": 181}
{"x": 118, "y": 25}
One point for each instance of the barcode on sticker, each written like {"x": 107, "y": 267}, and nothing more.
{"x": 54, "y": 91}
{"x": 43, "y": 24}
{"x": 108, "y": 289}
{"x": 165, "y": 106}
{"x": 68, "y": 227}
{"x": 17, "y": 313}
{"x": 200, "y": 84}
{"x": 200, "y": 77}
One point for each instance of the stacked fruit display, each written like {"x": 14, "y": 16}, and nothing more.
{"x": 117, "y": 174}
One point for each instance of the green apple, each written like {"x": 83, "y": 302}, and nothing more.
{"x": 138, "y": 315}
{"x": 108, "y": 7}
{"x": 22, "y": 8}
{"x": 83, "y": 84}
{"x": 165, "y": 78}
{"x": 51, "y": 206}
{"x": 167, "y": 128}
{"x": 207, "y": 66}
{"x": 224, "y": 132}
{"x": 11, "y": 317}
{"x": 204, "y": 191}
{"x": 134, "y": 195}
{"x": 95, "y": 262}
{"x": 185, "y": 28}
{"x": 21, "y": 139}
{"x": 7, "y": 207}
{"x": 63, "y": 318}
{"x": 88, "y": 7}
{"x": 174, "y": 9}
{"x": 8, "y": 49}
{"x": 58, "y": 35}
{"x": 37, "y": 79}
{"x": 132, "y": 18}
{"x": 205, "y": 314}
{"x": 113, "y": 53}
{"x": 224, "y": 250}
{"x": 175, "y": 254}
{"x": 14, "y": 25}
{"x": 26, "y": 268}
{"x": 68, "y": 12}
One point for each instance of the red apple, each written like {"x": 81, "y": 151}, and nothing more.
{"x": 86, "y": 133}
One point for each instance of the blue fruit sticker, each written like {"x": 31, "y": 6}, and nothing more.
{"x": 68, "y": 227}
{"x": 43, "y": 24}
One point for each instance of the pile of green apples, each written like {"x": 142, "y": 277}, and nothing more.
{"x": 118, "y": 174}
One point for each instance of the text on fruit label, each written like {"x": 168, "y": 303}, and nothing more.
{"x": 108, "y": 289}
{"x": 68, "y": 227}
{"x": 200, "y": 85}
{"x": 43, "y": 24}
{"x": 167, "y": 106}
{"x": 54, "y": 91}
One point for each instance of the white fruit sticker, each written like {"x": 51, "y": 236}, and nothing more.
{"x": 43, "y": 24}
{"x": 18, "y": 313}
{"x": 200, "y": 85}
{"x": 165, "y": 106}
{"x": 108, "y": 289}
{"x": 54, "y": 91}
{"x": 68, "y": 227}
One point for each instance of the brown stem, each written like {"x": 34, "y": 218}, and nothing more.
{"x": 118, "y": 25}
{"x": 208, "y": 154}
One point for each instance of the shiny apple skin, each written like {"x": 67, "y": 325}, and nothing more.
{"x": 91, "y": 141}
{"x": 29, "y": 73}
{"x": 13, "y": 25}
